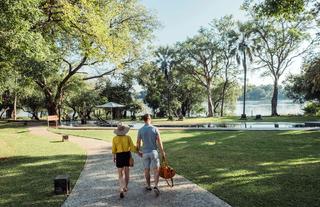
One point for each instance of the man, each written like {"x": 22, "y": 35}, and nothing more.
{"x": 150, "y": 137}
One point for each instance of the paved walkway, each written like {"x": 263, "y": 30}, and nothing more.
{"x": 98, "y": 185}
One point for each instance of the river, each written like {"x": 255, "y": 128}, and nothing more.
{"x": 253, "y": 108}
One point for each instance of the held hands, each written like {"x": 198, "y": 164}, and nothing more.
{"x": 140, "y": 154}
{"x": 114, "y": 159}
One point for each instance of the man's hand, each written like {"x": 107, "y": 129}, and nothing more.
{"x": 140, "y": 154}
{"x": 163, "y": 155}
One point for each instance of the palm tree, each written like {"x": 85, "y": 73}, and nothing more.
{"x": 244, "y": 50}
{"x": 166, "y": 59}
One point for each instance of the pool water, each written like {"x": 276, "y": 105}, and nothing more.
{"x": 226, "y": 125}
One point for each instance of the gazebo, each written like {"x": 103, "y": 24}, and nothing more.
{"x": 110, "y": 105}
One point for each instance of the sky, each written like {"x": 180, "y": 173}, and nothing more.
{"x": 183, "y": 18}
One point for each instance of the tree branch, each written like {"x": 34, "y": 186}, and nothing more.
{"x": 101, "y": 75}
{"x": 69, "y": 64}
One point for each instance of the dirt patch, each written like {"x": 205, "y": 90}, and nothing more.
{"x": 4, "y": 158}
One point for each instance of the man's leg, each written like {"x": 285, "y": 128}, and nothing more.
{"x": 147, "y": 176}
{"x": 156, "y": 176}
{"x": 155, "y": 163}
{"x": 146, "y": 165}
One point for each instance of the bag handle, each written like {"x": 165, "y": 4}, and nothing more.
{"x": 164, "y": 161}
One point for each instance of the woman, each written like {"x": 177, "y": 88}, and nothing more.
{"x": 122, "y": 146}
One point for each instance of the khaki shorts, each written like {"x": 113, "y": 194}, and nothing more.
{"x": 151, "y": 160}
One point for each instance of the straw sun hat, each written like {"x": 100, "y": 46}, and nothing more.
{"x": 121, "y": 129}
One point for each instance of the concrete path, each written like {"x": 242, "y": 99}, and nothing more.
{"x": 98, "y": 183}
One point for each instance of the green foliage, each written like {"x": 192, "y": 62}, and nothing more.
{"x": 119, "y": 92}
{"x": 263, "y": 92}
{"x": 312, "y": 109}
{"x": 283, "y": 8}
{"x": 306, "y": 86}
{"x": 152, "y": 79}
{"x": 50, "y": 41}
{"x": 32, "y": 101}
{"x": 82, "y": 102}
{"x": 184, "y": 93}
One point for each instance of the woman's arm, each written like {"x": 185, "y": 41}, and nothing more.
{"x": 132, "y": 147}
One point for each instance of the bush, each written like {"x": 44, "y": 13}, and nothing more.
{"x": 170, "y": 118}
{"x": 134, "y": 118}
{"x": 311, "y": 109}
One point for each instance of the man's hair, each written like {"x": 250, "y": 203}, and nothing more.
{"x": 146, "y": 117}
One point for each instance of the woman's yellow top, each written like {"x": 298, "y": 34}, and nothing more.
{"x": 122, "y": 144}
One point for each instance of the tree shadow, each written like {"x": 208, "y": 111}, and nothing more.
{"x": 252, "y": 168}
{"x": 28, "y": 181}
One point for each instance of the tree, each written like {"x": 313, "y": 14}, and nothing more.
{"x": 33, "y": 102}
{"x": 120, "y": 91}
{"x": 152, "y": 80}
{"x": 224, "y": 31}
{"x": 82, "y": 102}
{"x": 230, "y": 96}
{"x": 201, "y": 58}
{"x": 278, "y": 43}
{"x": 283, "y": 8}
{"x": 305, "y": 86}
{"x": 188, "y": 92}
{"x": 166, "y": 59}
{"x": 245, "y": 48}
{"x": 72, "y": 35}
{"x": 287, "y": 9}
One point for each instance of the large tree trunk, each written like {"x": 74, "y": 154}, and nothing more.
{"x": 274, "y": 100}
{"x": 9, "y": 112}
{"x": 210, "y": 105}
{"x": 52, "y": 107}
{"x": 35, "y": 115}
{"x": 4, "y": 111}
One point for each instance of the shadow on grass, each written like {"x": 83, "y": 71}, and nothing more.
{"x": 28, "y": 181}
{"x": 252, "y": 168}
{"x": 56, "y": 141}
{"x": 11, "y": 125}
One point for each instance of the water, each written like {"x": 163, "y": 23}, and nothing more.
{"x": 255, "y": 125}
{"x": 253, "y": 108}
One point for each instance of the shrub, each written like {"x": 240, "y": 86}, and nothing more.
{"x": 311, "y": 108}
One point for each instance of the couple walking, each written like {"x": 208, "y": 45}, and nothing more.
{"x": 122, "y": 146}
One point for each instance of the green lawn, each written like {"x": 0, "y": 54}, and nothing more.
{"x": 29, "y": 165}
{"x": 246, "y": 169}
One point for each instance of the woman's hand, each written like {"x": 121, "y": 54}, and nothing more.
{"x": 114, "y": 159}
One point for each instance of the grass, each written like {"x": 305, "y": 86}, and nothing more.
{"x": 29, "y": 165}
{"x": 106, "y": 135}
{"x": 246, "y": 169}
{"x": 251, "y": 168}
